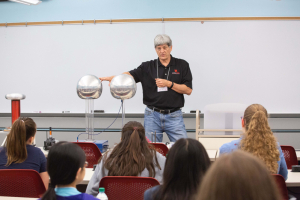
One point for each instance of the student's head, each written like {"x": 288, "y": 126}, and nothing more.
{"x": 132, "y": 155}
{"x": 22, "y": 132}
{"x": 186, "y": 164}
{"x": 255, "y": 114}
{"x": 163, "y": 46}
{"x": 239, "y": 176}
{"x": 65, "y": 166}
{"x": 259, "y": 139}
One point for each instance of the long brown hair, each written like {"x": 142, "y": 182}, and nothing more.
{"x": 133, "y": 154}
{"x": 238, "y": 176}
{"x": 21, "y": 130}
{"x": 259, "y": 139}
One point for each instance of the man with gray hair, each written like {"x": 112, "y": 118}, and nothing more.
{"x": 164, "y": 80}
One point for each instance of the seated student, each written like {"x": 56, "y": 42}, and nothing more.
{"x": 238, "y": 176}
{"x": 186, "y": 164}
{"x": 259, "y": 140}
{"x": 131, "y": 157}
{"x": 18, "y": 152}
{"x": 66, "y": 167}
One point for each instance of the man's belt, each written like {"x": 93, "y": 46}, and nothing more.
{"x": 163, "y": 111}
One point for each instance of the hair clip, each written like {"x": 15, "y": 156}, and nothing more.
{"x": 135, "y": 128}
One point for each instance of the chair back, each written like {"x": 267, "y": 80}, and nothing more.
{"x": 21, "y": 183}
{"x": 92, "y": 152}
{"x": 280, "y": 182}
{"x": 160, "y": 148}
{"x": 290, "y": 156}
{"x": 126, "y": 187}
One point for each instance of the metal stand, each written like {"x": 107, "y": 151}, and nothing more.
{"x": 123, "y": 113}
{"x": 89, "y": 119}
{"x": 15, "y": 110}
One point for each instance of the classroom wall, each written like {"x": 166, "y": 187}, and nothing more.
{"x": 57, "y": 10}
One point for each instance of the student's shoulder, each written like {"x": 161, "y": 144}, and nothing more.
{"x": 160, "y": 156}
{"x": 230, "y": 146}
{"x": 35, "y": 151}
{"x": 148, "y": 195}
{"x": 82, "y": 196}
{"x": 88, "y": 197}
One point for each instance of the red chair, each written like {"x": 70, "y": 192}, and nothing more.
{"x": 21, "y": 183}
{"x": 126, "y": 187}
{"x": 92, "y": 152}
{"x": 281, "y": 186}
{"x": 290, "y": 156}
{"x": 160, "y": 148}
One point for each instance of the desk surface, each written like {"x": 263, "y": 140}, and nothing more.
{"x": 298, "y": 155}
{"x": 293, "y": 179}
{"x": 211, "y": 153}
{"x": 16, "y": 198}
{"x": 88, "y": 175}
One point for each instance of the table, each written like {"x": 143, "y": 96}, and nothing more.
{"x": 212, "y": 154}
{"x": 44, "y": 151}
{"x": 16, "y": 198}
{"x": 293, "y": 179}
{"x": 298, "y": 155}
{"x": 88, "y": 175}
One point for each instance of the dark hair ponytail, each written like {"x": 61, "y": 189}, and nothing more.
{"x": 63, "y": 161}
{"x": 21, "y": 130}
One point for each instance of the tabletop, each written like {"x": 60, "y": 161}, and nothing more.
{"x": 16, "y": 198}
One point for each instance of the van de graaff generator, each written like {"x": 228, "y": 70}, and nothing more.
{"x": 89, "y": 87}
{"x": 123, "y": 87}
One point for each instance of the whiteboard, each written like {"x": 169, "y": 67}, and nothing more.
{"x": 231, "y": 62}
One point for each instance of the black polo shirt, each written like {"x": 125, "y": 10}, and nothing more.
{"x": 179, "y": 73}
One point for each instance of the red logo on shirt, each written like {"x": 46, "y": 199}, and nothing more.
{"x": 175, "y": 72}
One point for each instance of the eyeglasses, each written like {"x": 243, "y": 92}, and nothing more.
{"x": 86, "y": 164}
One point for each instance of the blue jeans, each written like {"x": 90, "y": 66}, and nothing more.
{"x": 171, "y": 123}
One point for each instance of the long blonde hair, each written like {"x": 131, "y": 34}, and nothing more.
{"x": 239, "y": 176}
{"x": 259, "y": 139}
{"x": 21, "y": 130}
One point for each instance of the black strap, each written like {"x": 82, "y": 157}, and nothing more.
{"x": 163, "y": 111}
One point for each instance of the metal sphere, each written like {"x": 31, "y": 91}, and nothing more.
{"x": 89, "y": 87}
{"x": 123, "y": 87}
{"x": 15, "y": 96}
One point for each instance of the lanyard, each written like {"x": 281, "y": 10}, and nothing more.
{"x": 157, "y": 69}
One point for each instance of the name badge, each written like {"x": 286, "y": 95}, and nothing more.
{"x": 162, "y": 89}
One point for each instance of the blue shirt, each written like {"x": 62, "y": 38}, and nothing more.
{"x": 35, "y": 160}
{"x": 66, "y": 191}
{"x": 71, "y": 193}
{"x": 148, "y": 195}
{"x": 234, "y": 145}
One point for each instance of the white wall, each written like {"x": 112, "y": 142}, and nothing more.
{"x": 232, "y": 62}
